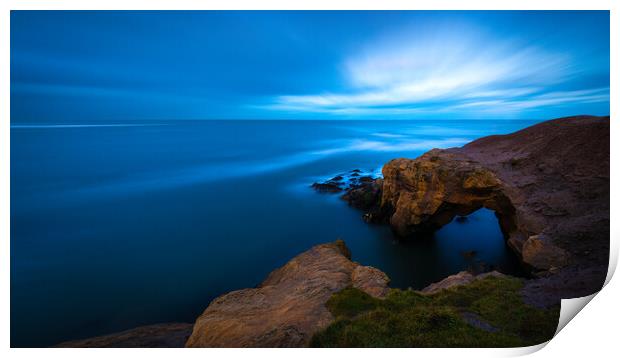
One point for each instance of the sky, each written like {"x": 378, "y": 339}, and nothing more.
{"x": 106, "y": 66}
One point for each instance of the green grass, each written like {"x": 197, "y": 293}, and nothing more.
{"x": 406, "y": 318}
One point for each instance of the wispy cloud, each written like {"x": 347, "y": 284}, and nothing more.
{"x": 545, "y": 99}
{"x": 455, "y": 70}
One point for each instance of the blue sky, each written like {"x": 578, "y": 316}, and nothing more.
{"x": 74, "y": 66}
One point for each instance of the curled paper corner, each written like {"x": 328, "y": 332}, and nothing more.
{"x": 569, "y": 308}
{"x": 521, "y": 351}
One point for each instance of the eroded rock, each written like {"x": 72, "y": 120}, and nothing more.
{"x": 370, "y": 280}
{"x": 289, "y": 306}
{"x": 426, "y": 193}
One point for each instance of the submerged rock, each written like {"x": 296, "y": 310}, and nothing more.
{"x": 333, "y": 185}
{"x": 289, "y": 306}
{"x": 468, "y": 254}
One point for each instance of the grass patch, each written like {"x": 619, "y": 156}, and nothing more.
{"x": 406, "y": 318}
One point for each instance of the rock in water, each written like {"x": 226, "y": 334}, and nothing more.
{"x": 328, "y": 187}
{"x": 289, "y": 306}
{"x": 365, "y": 196}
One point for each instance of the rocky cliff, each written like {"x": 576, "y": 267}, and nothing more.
{"x": 548, "y": 185}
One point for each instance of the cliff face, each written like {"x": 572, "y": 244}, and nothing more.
{"x": 548, "y": 184}
{"x": 289, "y": 306}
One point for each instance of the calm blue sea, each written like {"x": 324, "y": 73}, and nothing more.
{"x": 116, "y": 226}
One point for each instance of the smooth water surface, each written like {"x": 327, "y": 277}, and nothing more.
{"x": 116, "y": 226}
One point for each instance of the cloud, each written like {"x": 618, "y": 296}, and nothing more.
{"x": 458, "y": 69}
{"x": 545, "y": 99}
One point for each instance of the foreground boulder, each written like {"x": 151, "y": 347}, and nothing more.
{"x": 548, "y": 185}
{"x": 289, "y": 306}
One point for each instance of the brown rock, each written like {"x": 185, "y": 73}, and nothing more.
{"x": 541, "y": 254}
{"x": 371, "y": 280}
{"x": 289, "y": 306}
{"x": 426, "y": 193}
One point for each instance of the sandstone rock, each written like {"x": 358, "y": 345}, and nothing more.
{"x": 426, "y": 193}
{"x": 289, "y": 306}
{"x": 371, "y": 280}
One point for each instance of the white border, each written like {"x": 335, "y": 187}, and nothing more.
{"x": 595, "y": 328}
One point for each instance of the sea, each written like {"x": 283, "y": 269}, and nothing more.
{"x": 124, "y": 224}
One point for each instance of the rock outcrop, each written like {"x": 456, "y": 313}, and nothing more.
{"x": 164, "y": 335}
{"x": 548, "y": 185}
{"x": 289, "y": 306}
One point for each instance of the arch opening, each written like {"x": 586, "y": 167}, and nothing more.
{"x": 447, "y": 211}
{"x": 476, "y": 238}
{"x": 495, "y": 203}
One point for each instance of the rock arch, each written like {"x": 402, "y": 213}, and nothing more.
{"x": 422, "y": 195}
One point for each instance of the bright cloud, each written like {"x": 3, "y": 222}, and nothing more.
{"x": 452, "y": 71}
